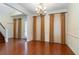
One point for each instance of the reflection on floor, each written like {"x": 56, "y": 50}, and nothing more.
{"x": 20, "y": 47}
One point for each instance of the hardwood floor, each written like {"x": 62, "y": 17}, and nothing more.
{"x": 20, "y": 47}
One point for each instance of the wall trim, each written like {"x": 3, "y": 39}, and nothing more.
{"x": 70, "y": 49}
{"x": 73, "y": 35}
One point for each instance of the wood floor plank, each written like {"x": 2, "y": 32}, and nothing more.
{"x": 20, "y": 47}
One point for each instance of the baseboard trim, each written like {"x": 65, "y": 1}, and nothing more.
{"x": 47, "y": 42}
{"x": 70, "y": 48}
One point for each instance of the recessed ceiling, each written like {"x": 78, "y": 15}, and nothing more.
{"x": 30, "y": 7}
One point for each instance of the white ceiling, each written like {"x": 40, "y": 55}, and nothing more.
{"x": 4, "y": 9}
{"x": 30, "y": 7}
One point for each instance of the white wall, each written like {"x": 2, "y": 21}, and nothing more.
{"x": 72, "y": 25}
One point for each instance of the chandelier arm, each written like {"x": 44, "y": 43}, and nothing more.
{"x": 41, "y": 10}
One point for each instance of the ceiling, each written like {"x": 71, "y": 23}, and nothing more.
{"x": 50, "y": 7}
{"x": 4, "y": 9}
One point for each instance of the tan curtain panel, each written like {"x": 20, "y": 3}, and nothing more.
{"x": 62, "y": 18}
{"x": 19, "y": 27}
{"x": 34, "y": 27}
{"x": 51, "y": 33}
{"x": 42, "y": 28}
{"x": 14, "y": 28}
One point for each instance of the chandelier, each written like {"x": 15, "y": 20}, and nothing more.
{"x": 41, "y": 9}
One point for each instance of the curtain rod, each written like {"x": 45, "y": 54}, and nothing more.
{"x": 54, "y": 13}
{"x": 58, "y": 13}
